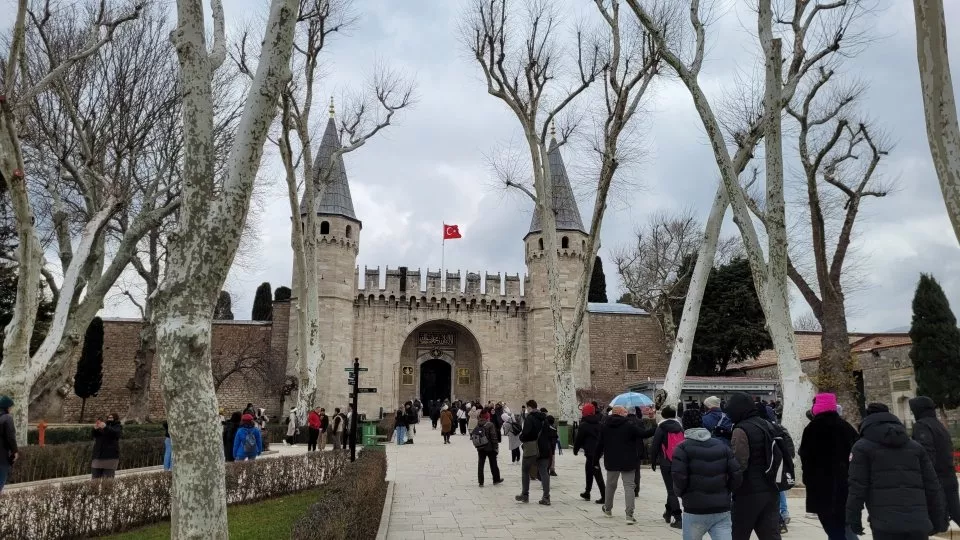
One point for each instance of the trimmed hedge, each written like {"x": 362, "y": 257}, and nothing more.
{"x": 351, "y": 505}
{"x": 73, "y": 459}
{"x": 94, "y": 508}
{"x": 81, "y": 433}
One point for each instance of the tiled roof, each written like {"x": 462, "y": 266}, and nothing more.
{"x": 564, "y": 203}
{"x": 808, "y": 347}
{"x": 336, "y": 199}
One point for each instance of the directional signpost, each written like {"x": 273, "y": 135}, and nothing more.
{"x": 353, "y": 379}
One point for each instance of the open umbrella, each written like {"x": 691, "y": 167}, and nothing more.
{"x": 631, "y": 400}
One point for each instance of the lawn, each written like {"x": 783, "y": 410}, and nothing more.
{"x": 264, "y": 520}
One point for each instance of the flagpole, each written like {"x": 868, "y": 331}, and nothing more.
{"x": 443, "y": 253}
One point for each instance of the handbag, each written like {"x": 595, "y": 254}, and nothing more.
{"x": 532, "y": 448}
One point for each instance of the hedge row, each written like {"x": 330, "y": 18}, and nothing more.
{"x": 73, "y": 459}
{"x": 80, "y": 433}
{"x": 92, "y": 508}
{"x": 351, "y": 505}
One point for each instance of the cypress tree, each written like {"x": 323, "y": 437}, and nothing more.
{"x": 598, "y": 283}
{"x": 223, "y": 311}
{"x": 263, "y": 303}
{"x": 282, "y": 294}
{"x": 936, "y": 345}
{"x": 89, "y": 377}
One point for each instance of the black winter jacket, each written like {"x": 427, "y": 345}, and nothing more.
{"x": 894, "y": 478}
{"x": 825, "y": 456}
{"x": 106, "y": 441}
{"x": 749, "y": 444}
{"x": 535, "y": 429}
{"x": 658, "y": 457}
{"x": 8, "y": 439}
{"x": 619, "y": 440}
{"x": 705, "y": 473}
{"x": 588, "y": 435}
{"x": 933, "y": 437}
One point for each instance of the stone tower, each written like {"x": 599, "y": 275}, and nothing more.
{"x": 337, "y": 247}
{"x": 571, "y": 240}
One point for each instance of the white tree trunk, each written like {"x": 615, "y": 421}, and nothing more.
{"x": 939, "y": 105}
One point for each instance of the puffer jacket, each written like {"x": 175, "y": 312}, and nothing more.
{"x": 933, "y": 437}
{"x": 893, "y": 476}
{"x": 670, "y": 425}
{"x": 705, "y": 473}
{"x": 588, "y": 435}
{"x": 618, "y": 443}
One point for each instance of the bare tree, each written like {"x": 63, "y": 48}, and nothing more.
{"x": 521, "y": 63}
{"x": 807, "y": 322}
{"x": 202, "y": 249}
{"x": 939, "y": 103}
{"x": 248, "y": 357}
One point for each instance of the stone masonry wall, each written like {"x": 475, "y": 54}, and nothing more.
{"x": 612, "y": 337}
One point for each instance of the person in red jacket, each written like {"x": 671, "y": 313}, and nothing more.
{"x": 313, "y": 424}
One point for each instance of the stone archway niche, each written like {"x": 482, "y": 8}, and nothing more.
{"x": 426, "y": 350}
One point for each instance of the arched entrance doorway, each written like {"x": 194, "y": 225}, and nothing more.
{"x": 435, "y": 380}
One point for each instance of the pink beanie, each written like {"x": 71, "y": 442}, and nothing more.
{"x": 824, "y": 403}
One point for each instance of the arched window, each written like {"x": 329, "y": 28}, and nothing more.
{"x": 583, "y": 245}
{"x": 349, "y": 231}
{"x": 564, "y": 243}
{"x": 324, "y": 227}
{"x": 540, "y": 241}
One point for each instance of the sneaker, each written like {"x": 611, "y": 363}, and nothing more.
{"x": 599, "y": 501}
{"x": 553, "y": 473}
{"x": 585, "y": 495}
{"x": 631, "y": 520}
{"x": 677, "y": 524}
{"x": 500, "y": 481}
{"x": 545, "y": 502}
{"x": 666, "y": 517}
{"x": 522, "y": 498}
{"x": 606, "y": 512}
{"x": 783, "y": 528}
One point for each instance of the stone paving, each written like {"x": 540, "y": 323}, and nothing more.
{"x": 436, "y": 497}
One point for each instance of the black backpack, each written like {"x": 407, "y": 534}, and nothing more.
{"x": 479, "y": 437}
{"x": 780, "y": 469}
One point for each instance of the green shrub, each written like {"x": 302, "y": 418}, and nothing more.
{"x": 81, "y": 433}
{"x": 94, "y": 508}
{"x": 352, "y": 503}
{"x": 73, "y": 459}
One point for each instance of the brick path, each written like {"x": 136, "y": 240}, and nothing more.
{"x": 436, "y": 496}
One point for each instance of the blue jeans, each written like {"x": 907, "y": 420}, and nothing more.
{"x": 719, "y": 526}
{"x": 4, "y": 472}
{"x": 401, "y": 434}
{"x": 784, "y": 511}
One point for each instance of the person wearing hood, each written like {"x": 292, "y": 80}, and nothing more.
{"x": 669, "y": 434}
{"x": 935, "y": 439}
{"x": 248, "y": 443}
{"x": 512, "y": 428}
{"x": 588, "y": 436}
{"x": 825, "y": 457}
{"x": 106, "y": 447}
{"x": 292, "y": 427}
{"x": 446, "y": 423}
{"x": 230, "y": 428}
{"x": 704, "y": 474}
{"x": 8, "y": 440}
{"x": 619, "y": 439}
{"x": 756, "y": 502}
{"x": 536, "y": 453}
{"x": 893, "y": 476}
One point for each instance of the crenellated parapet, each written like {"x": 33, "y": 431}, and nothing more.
{"x": 471, "y": 288}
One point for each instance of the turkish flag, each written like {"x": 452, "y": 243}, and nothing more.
{"x": 451, "y": 232}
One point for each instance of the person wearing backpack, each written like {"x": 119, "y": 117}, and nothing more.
{"x": 248, "y": 443}
{"x": 715, "y": 421}
{"x": 512, "y": 428}
{"x": 668, "y": 436}
{"x": 8, "y": 440}
{"x": 484, "y": 439}
{"x": 588, "y": 436}
{"x": 825, "y": 457}
{"x": 536, "y": 453}
{"x": 756, "y": 503}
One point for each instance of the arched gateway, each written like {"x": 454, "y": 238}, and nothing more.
{"x": 440, "y": 360}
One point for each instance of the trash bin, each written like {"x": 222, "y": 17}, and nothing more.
{"x": 369, "y": 432}
{"x": 563, "y": 430}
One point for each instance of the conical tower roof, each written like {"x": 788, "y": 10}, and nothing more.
{"x": 336, "y": 199}
{"x": 564, "y": 203}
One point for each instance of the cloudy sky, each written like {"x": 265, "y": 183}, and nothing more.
{"x": 432, "y": 167}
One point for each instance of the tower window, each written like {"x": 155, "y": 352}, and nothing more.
{"x": 324, "y": 227}
{"x": 540, "y": 241}
{"x": 565, "y": 243}
{"x": 349, "y": 231}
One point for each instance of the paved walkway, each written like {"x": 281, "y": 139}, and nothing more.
{"x": 436, "y": 496}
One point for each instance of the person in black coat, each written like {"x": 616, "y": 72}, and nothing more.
{"x": 536, "y": 453}
{"x": 756, "y": 503}
{"x": 106, "y": 447}
{"x": 825, "y": 455}
{"x": 230, "y": 428}
{"x": 893, "y": 476}
{"x": 704, "y": 473}
{"x": 935, "y": 439}
{"x": 619, "y": 439}
{"x": 660, "y": 449}
{"x": 588, "y": 435}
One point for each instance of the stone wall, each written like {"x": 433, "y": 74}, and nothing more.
{"x": 612, "y": 337}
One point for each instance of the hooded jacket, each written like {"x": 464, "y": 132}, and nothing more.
{"x": 660, "y": 437}
{"x": 705, "y": 473}
{"x": 588, "y": 435}
{"x": 893, "y": 476}
{"x": 825, "y": 457}
{"x": 239, "y": 453}
{"x": 933, "y": 437}
{"x": 8, "y": 438}
{"x": 619, "y": 439}
{"x": 749, "y": 443}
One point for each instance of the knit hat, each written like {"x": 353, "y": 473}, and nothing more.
{"x": 825, "y": 402}
{"x": 875, "y": 408}
{"x": 246, "y": 418}
{"x": 711, "y": 402}
{"x": 588, "y": 410}
{"x": 5, "y": 402}
{"x": 620, "y": 410}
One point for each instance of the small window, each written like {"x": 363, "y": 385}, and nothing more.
{"x": 324, "y": 227}
{"x": 406, "y": 376}
{"x": 583, "y": 246}
{"x": 349, "y": 231}
{"x": 565, "y": 243}
{"x": 631, "y": 362}
{"x": 463, "y": 376}
{"x": 540, "y": 242}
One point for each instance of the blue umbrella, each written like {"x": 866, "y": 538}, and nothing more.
{"x": 630, "y": 400}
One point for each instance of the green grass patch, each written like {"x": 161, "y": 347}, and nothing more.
{"x": 264, "y": 520}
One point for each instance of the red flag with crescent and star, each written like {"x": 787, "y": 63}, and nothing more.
{"x": 451, "y": 232}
